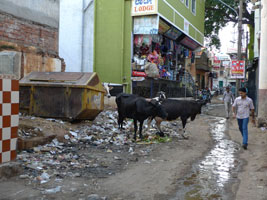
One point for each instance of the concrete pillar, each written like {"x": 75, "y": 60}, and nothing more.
{"x": 262, "y": 105}
{"x": 10, "y": 63}
{"x": 9, "y": 104}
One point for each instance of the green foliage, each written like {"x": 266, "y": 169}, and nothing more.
{"x": 215, "y": 41}
{"x": 218, "y": 15}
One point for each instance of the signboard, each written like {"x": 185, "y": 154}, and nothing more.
{"x": 191, "y": 44}
{"x": 163, "y": 27}
{"x": 146, "y": 25}
{"x": 238, "y": 69}
{"x": 144, "y": 7}
{"x": 226, "y": 64}
{"x": 173, "y": 33}
{"x": 216, "y": 64}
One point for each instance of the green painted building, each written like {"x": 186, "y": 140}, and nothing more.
{"x": 113, "y": 31}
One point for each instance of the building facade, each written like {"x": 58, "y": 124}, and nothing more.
{"x": 104, "y": 33}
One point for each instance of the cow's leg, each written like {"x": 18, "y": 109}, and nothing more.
{"x": 135, "y": 128}
{"x": 158, "y": 122}
{"x": 140, "y": 129}
{"x": 184, "y": 119}
{"x": 120, "y": 121}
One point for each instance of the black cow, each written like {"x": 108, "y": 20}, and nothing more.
{"x": 179, "y": 108}
{"x": 138, "y": 109}
{"x": 120, "y": 101}
{"x": 122, "y": 96}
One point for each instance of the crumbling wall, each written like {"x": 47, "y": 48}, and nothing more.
{"x": 28, "y": 33}
{"x": 37, "y": 44}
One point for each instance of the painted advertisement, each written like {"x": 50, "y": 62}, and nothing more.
{"x": 216, "y": 64}
{"x": 146, "y": 25}
{"x": 238, "y": 69}
{"x": 226, "y": 64}
{"x": 188, "y": 42}
{"x": 173, "y": 33}
{"x": 144, "y": 7}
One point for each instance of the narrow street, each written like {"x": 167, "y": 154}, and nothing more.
{"x": 76, "y": 76}
{"x": 209, "y": 165}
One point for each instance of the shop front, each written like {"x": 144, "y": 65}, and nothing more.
{"x": 160, "y": 59}
{"x": 203, "y": 69}
{"x": 139, "y": 43}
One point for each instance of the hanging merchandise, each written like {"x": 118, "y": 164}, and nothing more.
{"x": 193, "y": 57}
{"x": 171, "y": 45}
{"x": 161, "y": 59}
{"x": 163, "y": 48}
{"x": 190, "y": 55}
{"x": 161, "y": 70}
{"x": 157, "y": 48}
{"x": 186, "y": 53}
{"x": 179, "y": 49}
{"x": 147, "y": 39}
{"x": 153, "y": 57}
{"x": 144, "y": 49}
{"x": 138, "y": 40}
{"x": 157, "y": 38}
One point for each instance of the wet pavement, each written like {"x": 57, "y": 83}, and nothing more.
{"x": 213, "y": 176}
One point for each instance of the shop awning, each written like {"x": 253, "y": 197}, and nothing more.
{"x": 153, "y": 24}
{"x": 175, "y": 34}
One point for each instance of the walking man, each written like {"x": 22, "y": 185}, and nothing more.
{"x": 227, "y": 98}
{"x": 241, "y": 110}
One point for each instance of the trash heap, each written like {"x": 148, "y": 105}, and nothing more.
{"x": 74, "y": 156}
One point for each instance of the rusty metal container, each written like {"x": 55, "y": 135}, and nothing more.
{"x": 65, "y": 95}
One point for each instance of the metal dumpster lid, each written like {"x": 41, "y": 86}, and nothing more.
{"x": 74, "y": 79}
{"x": 56, "y": 77}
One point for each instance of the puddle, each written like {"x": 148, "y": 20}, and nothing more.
{"x": 213, "y": 176}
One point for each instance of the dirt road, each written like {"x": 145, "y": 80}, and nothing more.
{"x": 177, "y": 169}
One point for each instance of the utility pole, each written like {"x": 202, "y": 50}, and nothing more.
{"x": 239, "y": 47}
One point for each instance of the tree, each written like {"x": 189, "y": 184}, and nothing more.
{"x": 218, "y": 15}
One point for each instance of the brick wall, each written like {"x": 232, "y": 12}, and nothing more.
{"x": 27, "y": 33}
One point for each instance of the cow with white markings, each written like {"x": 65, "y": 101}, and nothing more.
{"x": 107, "y": 88}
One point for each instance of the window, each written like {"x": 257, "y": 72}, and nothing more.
{"x": 193, "y": 6}
{"x": 182, "y": 0}
{"x": 187, "y": 3}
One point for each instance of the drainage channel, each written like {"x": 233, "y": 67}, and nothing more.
{"x": 213, "y": 176}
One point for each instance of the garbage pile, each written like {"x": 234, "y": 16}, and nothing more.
{"x": 72, "y": 157}
{"x": 29, "y": 132}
